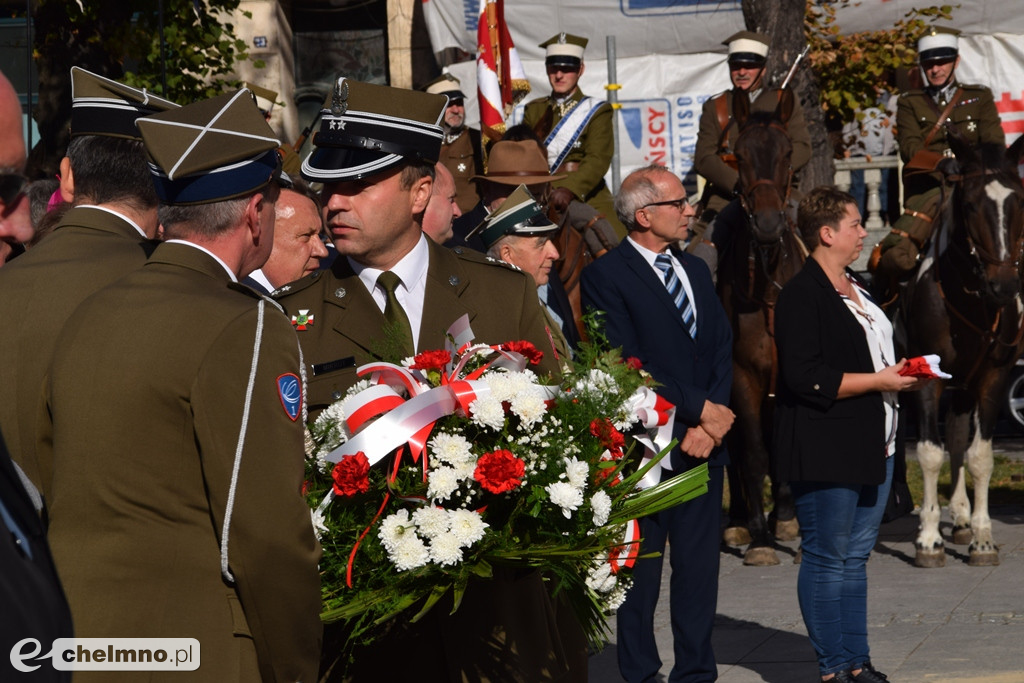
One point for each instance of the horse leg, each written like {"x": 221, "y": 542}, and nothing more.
{"x": 752, "y": 466}
{"x": 958, "y": 428}
{"x": 735, "y": 533}
{"x": 983, "y": 550}
{"x": 930, "y": 549}
{"x": 783, "y": 517}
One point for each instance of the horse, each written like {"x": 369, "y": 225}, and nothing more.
{"x": 760, "y": 255}
{"x": 964, "y": 304}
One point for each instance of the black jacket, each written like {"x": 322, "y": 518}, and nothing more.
{"x": 817, "y": 436}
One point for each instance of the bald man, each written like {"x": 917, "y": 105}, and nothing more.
{"x": 15, "y": 224}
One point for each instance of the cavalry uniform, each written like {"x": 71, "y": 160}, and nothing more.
{"x": 461, "y": 151}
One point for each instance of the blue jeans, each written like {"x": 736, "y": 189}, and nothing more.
{"x": 839, "y": 525}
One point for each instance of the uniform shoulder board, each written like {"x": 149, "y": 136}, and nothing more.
{"x": 976, "y": 87}
{"x": 244, "y": 289}
{"x": 474, "y": 256}
{"x": 298, "y": 285}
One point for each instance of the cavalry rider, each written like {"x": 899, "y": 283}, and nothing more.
{"x": 923, "y": 121}
{"x": 714, "y": 157}
{"x": 576, "y": 129}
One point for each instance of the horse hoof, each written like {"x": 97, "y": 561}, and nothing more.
{"x": 736, "y": 536}
{"x": 760, "y": 557}
{"x": 930, "y": 559}
{"x": 962, "y": 535}
{"x": 798, "y": 558}
{"x": 988, "y": 559}
{"x": 787, "y": 529}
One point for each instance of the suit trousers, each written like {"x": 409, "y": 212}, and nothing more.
{"x": 692, "y": 531}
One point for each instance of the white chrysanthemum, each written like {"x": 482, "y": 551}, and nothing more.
{"x": 318, "y": 523}
{"x": 616, "y": 597}
{"x": 565, "y": 496}
{"x": 445, "y": 550}
{"x": 600, "y": 578}
{"x": 597, "y": 382}
{"x": 360, "y": 386}
{"x": 394, "y": 528}
{"x": 410, "y": 553}
{"x": 488, "y": 412}
{"x": 576, "y": 472}
{"x": 431, "y": 521}
{"x": 507, "y": 386}
{"x": 467, "y": 526}
{"x": 529, "y": 406}
{"x": 442, "y": 482}
{"x": 601, "y": 504}
{"x": 453, "y": 449}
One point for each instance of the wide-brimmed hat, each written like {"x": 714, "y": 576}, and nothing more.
{"x": 366, "y": 129}
{"x": 517, "y": 163}
{"x": 100, "y": 106}
{"x": 210, "y": 151}
{"x": 519, "y": 214}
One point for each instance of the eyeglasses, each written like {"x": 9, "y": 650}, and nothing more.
{"x": 679, "y": 204}
{"x": 12, "y": 186}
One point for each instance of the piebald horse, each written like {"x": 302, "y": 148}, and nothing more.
{"x": 761, "y": 253}
{"x": 965, "y": 305}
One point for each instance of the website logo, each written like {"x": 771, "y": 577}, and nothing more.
{"x": 108, "y": 654}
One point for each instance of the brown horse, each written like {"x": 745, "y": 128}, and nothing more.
{"x": 965, "y": 305}
{"x": 760, "y": 255}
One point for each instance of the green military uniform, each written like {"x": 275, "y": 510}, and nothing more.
{"x": 343, "y": 325}
{"x": 146, "y": 392}
{"x": 461, "y": 155}
{"x": 721, "y": 177}
{"x": 89, "y": 249}
{"x": 591, "y": 155}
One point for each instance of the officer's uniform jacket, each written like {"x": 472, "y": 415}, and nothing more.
{"x": 88, "y": 249}
{"x": 146, "y": 391}
{"x": 721, "y": 177}
{"x": 591, "y": 154}
{"x": 343, "y": 325}
{"x": 463, "y": 159}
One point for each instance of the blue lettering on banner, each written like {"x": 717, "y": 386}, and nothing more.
{"x": 471, "y": 12}
{"x": 633, "y": 8}
{"x": 646, "y": 125}
{"x": 290, "y": 390}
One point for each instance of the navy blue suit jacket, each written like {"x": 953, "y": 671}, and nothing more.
{"x": 642, "y": 319}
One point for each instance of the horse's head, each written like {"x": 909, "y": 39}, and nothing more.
{"x": 990, "y": 210}
{"x": 763, "y": 152}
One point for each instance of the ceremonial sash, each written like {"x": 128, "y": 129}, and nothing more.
{"x": 567, "y": 132}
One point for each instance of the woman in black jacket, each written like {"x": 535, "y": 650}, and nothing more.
{"x": 835, "y": 427}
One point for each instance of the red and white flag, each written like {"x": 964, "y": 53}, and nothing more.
{"x": 924, "y": 366}
{"x": 501, "y": 81}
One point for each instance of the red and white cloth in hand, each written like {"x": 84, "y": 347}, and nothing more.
{"x": 924, "y": 366}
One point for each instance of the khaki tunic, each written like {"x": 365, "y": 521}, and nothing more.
{"x": 462, "y": 159}
{"x": 722, "y": 178}
{"x": 146, "y": 392}
{"x": 592, "y": 152}
{"x": 89, "y": 249}
{"x": 502, "y": 305}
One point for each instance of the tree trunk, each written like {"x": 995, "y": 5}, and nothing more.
{"x": 783, "y": 22}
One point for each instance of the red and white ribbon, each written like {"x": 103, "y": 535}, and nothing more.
{"x": 658, "y": 417}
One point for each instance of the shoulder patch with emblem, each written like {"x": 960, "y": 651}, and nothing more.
{"x": 289, "y": 389}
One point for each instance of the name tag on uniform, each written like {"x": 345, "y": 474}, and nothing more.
{"x": 333, "y": 366}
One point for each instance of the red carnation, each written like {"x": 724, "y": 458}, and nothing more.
{"x": 499, "y": 471}
{"x": 431, "y": 360}
{"x": 610, "y": 437}
{"x": 634, "y": 363}
{"x": 528, "y": 350}
{"x": 351, "y": 475}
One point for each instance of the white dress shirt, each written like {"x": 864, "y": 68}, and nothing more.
{"x": 412, "y": 271}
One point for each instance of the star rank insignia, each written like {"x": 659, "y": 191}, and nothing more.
{"x": 304, "y": 319}
{"x": 462, "y": 167}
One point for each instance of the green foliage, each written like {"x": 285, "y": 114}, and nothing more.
{"x": 853, "y": 70}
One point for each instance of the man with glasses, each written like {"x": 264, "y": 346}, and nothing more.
{"x": 15, "y": 225}
{"x": 576, "y": 129}
{"x": 714, "y": 157}
{"x": 107, "y": 233}
{"x": 461, "y": 152}
{"x": 660, "y": 306}
{"x": 924, "y": 117}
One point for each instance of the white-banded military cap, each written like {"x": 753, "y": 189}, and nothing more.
{"x": 366, "y": 129}
{"x": 519, "y": 214}
{"x": 210, "y": 151}
{"x": 265, "y": 97}
{"x": 446, "y": 84}
{"x": 564, "y": 49}
{"x": 100, "y": 106}
{"x": 938, "y": 43}
{"x": 747, "y": 47}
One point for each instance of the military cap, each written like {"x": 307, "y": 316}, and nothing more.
{"x": 747, "y": 47}
{"x": 446, "y": 84}
{"x": 938, "y": 43}
{"x": 564, "y": 49}
{"x": 366, "y": 129}
{"x": 210, "y": 151}
{"x": 265, "y": 98}
{"x": 100, "y": 106}
{"x": 517, "y": 163}
{"x": 519, "y": 214}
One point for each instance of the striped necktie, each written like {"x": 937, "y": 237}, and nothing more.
{"x": 678, "y": 293}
